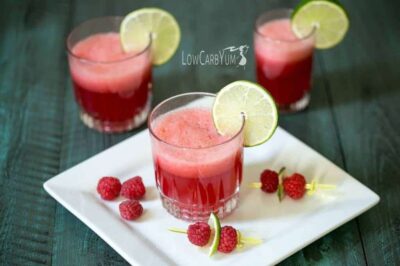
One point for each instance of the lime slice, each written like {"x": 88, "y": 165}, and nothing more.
{"x": 328, "y": 17}
{"x": 138, "y": 26}
{"x": 216, "y": 226}
{"x": 248, "y": 99}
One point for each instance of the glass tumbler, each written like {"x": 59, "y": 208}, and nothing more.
{"x": 283, "y": 61}
{"x": 112, "y": 88}
{"x": 195, "y": 181}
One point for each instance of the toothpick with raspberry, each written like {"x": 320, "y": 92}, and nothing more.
{"x": 225, "y": 239}
{"x": 295, "y": 186}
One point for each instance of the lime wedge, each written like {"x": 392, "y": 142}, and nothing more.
{"x": 328, "y": 17}
{"x": 216, "y": 226}
{"x": 249, "y": 100}
{"x": 138, "y": 26}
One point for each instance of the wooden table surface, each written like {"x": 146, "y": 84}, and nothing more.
{"x": 353, "y": 120}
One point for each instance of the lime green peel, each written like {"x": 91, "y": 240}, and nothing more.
{"x": 328, "y": 18}
{"x": 159, "y": 25}
{"x": 216, "y": 227}
{"x": 280, "y": 192}
{"x": 249, "y": 101}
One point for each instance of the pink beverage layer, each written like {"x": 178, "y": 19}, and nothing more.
{"x": 196, "y": 171}
{"x": 283, "y": 61}
{"x": 114, "y": 85}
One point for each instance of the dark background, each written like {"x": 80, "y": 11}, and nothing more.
{"x": 353, "y": 120}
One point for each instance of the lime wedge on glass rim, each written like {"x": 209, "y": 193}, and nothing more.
{"x": 216, "y": 226}
{"x": 159, "y": 25}
{"x": 249, "y": 100}
{"x": 327, "y": 17}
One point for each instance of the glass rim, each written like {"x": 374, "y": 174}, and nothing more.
{"x": 213, "y": 95}
{"x": 288, "y": 10}
{"x": 80, "y": 58}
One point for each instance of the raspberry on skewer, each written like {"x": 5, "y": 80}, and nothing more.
{"x": 269, "y": 181}
{"x": 198, "y": 233}
{"x": 231, "y": 239}
{"x": 228, "y": 240}
{"x": 294, "y": 186}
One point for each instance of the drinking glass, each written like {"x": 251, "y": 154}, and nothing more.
{"x": 193, "y": 182}
{"x": 113, "y": 95}
{"x": 283, "y": 61}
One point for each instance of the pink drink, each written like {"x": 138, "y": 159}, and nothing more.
{"x": 197, "y": 170}
{"x": 283, "y": 62}
{"x": 112, "y": 87}
{"x": 190, "y": 128}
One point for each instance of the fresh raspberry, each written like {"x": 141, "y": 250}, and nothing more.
{"x": 228, "y": 240}
{"x": 130, "y": 209}
{"x": 199, "y": 233}
{"x": 133, "y": 188}
{"x": 294, "y": 186}
{"x": 109, "y": 187}
{"x": 269, "y": 181}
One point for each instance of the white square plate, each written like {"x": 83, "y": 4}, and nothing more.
{"x": 285, "y": 227}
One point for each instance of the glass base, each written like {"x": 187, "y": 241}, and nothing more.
{"x": 119, "y": 126}
{"x": 297, "y": 106}
{"x": 200, "y": 213}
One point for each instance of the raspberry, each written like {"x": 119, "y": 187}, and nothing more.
{"x": 269, "y": 181}
{"x": 228, "y": 240}
{"x": 130, "y": 209}
{"x": 109, "y": 187}
{"x": 133, "y": 188}
{"x": 199, "y": 233}
{"x": 295, "y": 186}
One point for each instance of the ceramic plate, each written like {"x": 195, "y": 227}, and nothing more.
{"x": 285, "y": 227}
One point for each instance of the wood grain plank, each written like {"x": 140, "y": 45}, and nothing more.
{"x": 28, "y": 119}
{"x": 364, "y": 80}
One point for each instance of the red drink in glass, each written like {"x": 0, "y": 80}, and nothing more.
{"x": 112, "y": 87}
{"x": 283, "y": 61}
{"x": 197, "y": 170}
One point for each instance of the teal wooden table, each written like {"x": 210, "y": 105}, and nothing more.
{"x": 353, "y": 120}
